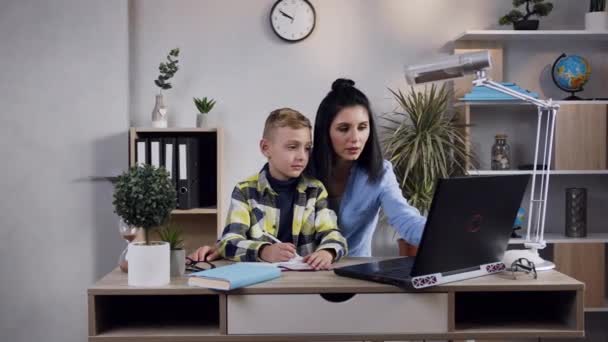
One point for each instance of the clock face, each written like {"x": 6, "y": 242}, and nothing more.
{"x": 292, "y": 20}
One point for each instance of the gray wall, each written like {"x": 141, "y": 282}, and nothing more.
{"x": 64, "y": 99}
{"x": 76, "y": 74}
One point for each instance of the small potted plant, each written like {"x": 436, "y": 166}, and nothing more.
{"x": 173, "y": 236}
{"x": 144, "y": 197}
{"x": 597, "y": 17}
{"x": 167, "y": 71}
{"x": 522, "y": 21}
{"x": 204, "y": 106}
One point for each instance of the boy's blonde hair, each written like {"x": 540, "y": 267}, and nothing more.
{"x": 285, "y": 117}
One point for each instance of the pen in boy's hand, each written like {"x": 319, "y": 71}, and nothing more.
{"x": 273, "y": 238}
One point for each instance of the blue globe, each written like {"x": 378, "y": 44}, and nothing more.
{"x": 570, "y": 73}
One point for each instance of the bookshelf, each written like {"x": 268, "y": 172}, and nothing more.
{"x": 202, "y": 225}
{"x": 580, "y": 148}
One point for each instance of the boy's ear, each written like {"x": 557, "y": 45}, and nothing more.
{"x": 265, "y": 147}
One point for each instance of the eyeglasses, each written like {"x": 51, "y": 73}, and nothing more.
{"x": 523, "y": 265}
{"x": 197, "y": 265}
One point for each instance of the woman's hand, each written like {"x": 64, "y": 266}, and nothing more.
{"x": 320, "y": 260}
{"x": 205, "y": 253}
{"x": 277, "y": 252}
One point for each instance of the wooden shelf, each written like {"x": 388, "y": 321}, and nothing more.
{"x": 160, "y": 331}
{"x": 561, "y": 238}
{"x": 529, "y": 172}
{"x": 496, "y": 35}
{"x": 173, "y": 130}
{"x": 520, "y": 103}
{"x": 195, "y": 211}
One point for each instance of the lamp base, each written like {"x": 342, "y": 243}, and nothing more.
{"x": 531, "y": 254}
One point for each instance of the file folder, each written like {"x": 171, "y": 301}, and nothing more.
{"x": 169, "y": 160}
{"x": 187, "y": 173}
{"x": 155, "y": 152}
{"x": 142, "y": 152}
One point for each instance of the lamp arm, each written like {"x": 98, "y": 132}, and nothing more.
{"x": 483, "y": 81}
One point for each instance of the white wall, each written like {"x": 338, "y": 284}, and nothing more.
{"x": 64, "y": 100}
{"x": 230, "y": 53}
{"x": 75, "y": 74}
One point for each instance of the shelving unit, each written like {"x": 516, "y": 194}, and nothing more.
{"x": 200, "y": 226}
{"x": 500, "y": 35}
{"x": 580, "y": 147}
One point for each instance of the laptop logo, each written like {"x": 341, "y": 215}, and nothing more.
{"x": 474, "y": 225}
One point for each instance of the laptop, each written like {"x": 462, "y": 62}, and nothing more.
{"x": 466, "y": 234}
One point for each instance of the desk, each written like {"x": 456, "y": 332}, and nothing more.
{"x": 309, "y": 306}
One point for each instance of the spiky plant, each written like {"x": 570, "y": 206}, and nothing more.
{"x": 173, "y": 235}
{"x": 597, "y": 5}
{"x": 540, "y": 8}
{"x": 424, "y": 142}
{"x": 203, "y": 105}
{"x": 167, "y": 70}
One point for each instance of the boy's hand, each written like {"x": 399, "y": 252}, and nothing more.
{"x": 277, "y": 252}
{"x": 320, "y": 260}
{"x": 205, "y": 253}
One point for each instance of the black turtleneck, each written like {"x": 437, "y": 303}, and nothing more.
{"x": 286, "y": 191}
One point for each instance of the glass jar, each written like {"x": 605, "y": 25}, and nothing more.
{"x": 501, "y": 153}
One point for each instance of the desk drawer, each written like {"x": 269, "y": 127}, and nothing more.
{"x": 383, "y": 313}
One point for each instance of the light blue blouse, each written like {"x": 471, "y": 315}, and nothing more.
{"x": 360, "y": 206}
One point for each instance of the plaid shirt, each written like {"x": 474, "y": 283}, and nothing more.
{"x": 253, "y": 211}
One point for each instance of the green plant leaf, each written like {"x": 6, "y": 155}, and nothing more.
{"x": 423, "y": 142}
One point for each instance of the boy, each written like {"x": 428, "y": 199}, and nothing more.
{"x": 281, "y": 203}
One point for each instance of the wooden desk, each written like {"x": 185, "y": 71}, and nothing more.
{"x": 309, "y": 306}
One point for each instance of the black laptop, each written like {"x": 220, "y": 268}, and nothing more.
{"x": 465, "y": 236}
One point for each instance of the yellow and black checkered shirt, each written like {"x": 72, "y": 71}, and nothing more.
{"x": 253, "y": 211}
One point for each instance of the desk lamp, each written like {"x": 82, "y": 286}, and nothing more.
{"x": 476, "y": 63}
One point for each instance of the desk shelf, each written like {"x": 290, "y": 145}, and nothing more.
{"x": 123, "y": 316}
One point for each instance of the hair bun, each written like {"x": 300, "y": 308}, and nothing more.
{"x": 341, "y": 83}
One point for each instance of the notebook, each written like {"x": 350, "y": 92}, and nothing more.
{"x": 234, "y": 276}
{"x": 294, "y": 264}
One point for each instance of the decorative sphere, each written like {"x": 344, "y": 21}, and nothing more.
{"x": 570, "y": 73}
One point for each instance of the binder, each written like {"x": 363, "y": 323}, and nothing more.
{"x": 208, "y": 170}
{"x": 169, "y": 160}
{"x": 187, "y": 173}
{"x": 142, "y": 152}
{"x": 155, "y": 152}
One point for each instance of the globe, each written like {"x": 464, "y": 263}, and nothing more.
{"x": 570, "y": 73}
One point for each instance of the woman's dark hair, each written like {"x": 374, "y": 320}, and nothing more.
{"x": 343, "y": 94}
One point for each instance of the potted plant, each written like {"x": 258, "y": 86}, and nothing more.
{"x": 522, "y": 21}
{"x": 167, "y": 71}
{"x": 204, "y": 106}
{"x": 144, "y": 197}
{"x": 173, "y": 236}
{"x": 597, "y": 17}
{"x": 424, "y": 143}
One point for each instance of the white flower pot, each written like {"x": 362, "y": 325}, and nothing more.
{"x": 201, "y": 120}
{"x": 149, "y": 264}
{"x": 596, "y": 21}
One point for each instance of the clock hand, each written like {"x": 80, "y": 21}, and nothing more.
{"x": 286, "y": 15}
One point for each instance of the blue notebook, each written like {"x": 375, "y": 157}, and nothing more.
{"x": 483, "y": 93}
{"x": 234, "y": 276}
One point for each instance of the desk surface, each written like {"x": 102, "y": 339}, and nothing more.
{"x": 115, "y": 283}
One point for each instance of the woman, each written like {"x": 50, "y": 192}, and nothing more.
{"x": 347, "y": 158}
